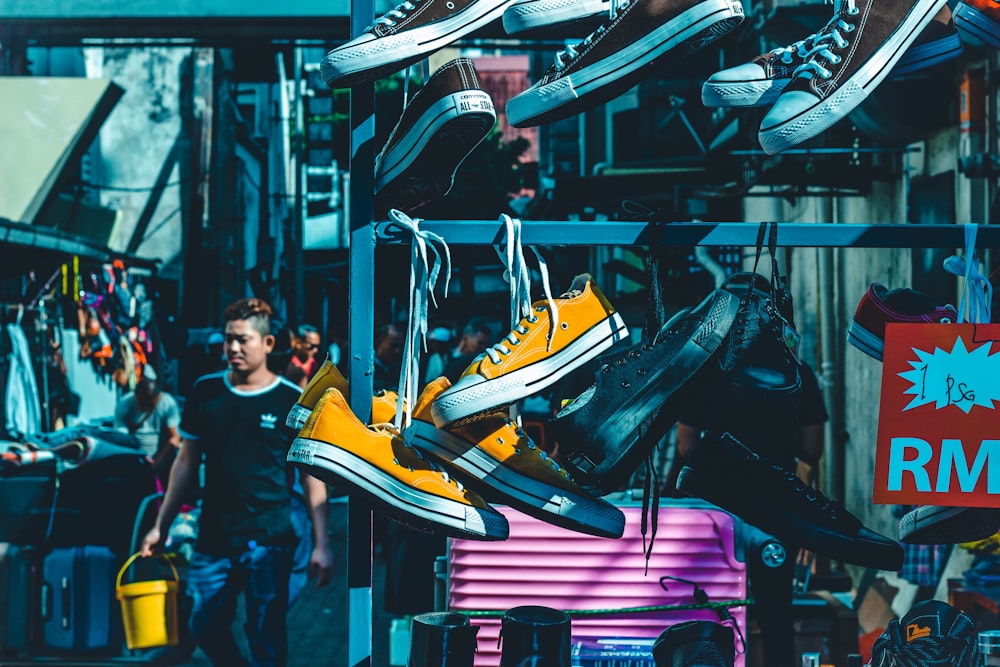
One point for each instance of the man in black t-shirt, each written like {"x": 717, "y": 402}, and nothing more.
{"x": 235, "y": 420}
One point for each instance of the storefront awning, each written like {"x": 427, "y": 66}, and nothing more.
{"x": 18, "y": 234}
{"x": 44, "y": 123}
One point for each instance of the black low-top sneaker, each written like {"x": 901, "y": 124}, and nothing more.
{"x": 724, "y": 472}
{"x": 405, "y": 35}
{"x": 759, "y": 82}
{"x": 618, "y": 55}
{"x": 853, "y": 54}
{"x": 607, "y": 431}
{"x": 440, "y": 127}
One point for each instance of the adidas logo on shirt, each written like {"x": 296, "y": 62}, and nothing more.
{"x": 267, "y": 420}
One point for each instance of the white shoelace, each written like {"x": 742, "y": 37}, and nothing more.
{"x": 511, "y": 253}
{"x": 423, "y": 279}
{"x": 831, "y": 35}
{"x": 976, "y": 301}
{"x": 397, "y": 13}
{"x": 571, "y": 51}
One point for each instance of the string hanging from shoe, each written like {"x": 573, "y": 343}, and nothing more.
{"x": 976, "y": 301}
{"x": 423, "y": 279}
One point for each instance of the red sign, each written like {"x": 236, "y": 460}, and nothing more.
{"x": 938, "y": 427}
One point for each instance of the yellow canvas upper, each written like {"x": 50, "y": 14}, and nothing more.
{"x": 333, "y": 423}
{"x": 327, "y": 377}
{"x": 501, "y": 438}
{"x": 579, "y": 309}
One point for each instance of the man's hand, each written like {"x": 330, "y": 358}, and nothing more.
{"x": 151, "y": 542}
{"x": 321, "y": 565}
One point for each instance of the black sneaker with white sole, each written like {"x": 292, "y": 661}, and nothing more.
{"x": 440, "y": 126}
{"x": 725, "y": 472}
{"x": 931, "y": 524}
{"x": 607, "y": 431}
{"x": 852, "y": 55}
{"x": 405, "y": 35}
{"x": 615, "y": 57}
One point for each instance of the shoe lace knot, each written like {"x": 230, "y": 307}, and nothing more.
{"x": 398, "y": 13}
{"x": 822, "y": 54}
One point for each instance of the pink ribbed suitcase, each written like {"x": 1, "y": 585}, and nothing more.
{"x": 541, "y": 564}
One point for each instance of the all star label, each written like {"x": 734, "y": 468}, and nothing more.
{"x": 302, "y": 451}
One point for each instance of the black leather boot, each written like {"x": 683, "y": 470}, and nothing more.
{"x": 442, "y": 639}
{"x": 535, "y": 637}
{"x": 695, "y": 644}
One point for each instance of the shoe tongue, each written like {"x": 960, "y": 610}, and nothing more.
{"x": 577, "y": 287}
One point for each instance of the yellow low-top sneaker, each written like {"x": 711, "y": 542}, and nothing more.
{"x": 329, "y": 377}
{"x": 544, "y": 347}
{"x": 498, "y": 459}
{"x": 394, "y": 477}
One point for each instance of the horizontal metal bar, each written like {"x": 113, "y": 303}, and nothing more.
{"x": 798, "y": 234}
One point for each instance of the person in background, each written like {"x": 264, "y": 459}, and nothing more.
{"x": 304, "y": 362}
{"x": 235, "y": 421}
{"x": 439, "y": 347}
{"x": 476, "y": 337}
{"x": 152, "y": 417}
{"x": 388, "y": 357}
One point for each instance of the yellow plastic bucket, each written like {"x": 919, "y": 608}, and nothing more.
{"x": 149, "y": 609}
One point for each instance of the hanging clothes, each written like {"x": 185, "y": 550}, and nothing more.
{"x": 22, "y": 405}
{"x": 98, "y": 394}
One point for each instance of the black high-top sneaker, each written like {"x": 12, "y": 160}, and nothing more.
{"x": 723, "y": 471}
{"x": 695, "y": 644}
{"x": 931, "y": 634}
{"x": 606, "y": 432}
{"x": 442, "y": 639}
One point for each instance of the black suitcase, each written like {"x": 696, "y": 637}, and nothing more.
{"x": 18, "y": 597}
{"x": 79, "y": 610}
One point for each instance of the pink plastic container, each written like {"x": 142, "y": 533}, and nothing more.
{"x": 545, "y": 565}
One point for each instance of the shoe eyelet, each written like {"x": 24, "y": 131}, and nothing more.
{"x": 641, "y": 371}
{"x": 626, "y": 385}
{"x": 539, "y": 309}
{"x": 564, "y": 326}
{"x": 450, "y": 5}
{"x": 396, "y": 461}
{"x": 517, "y": 451}
{"x": 605, "y": 368}
{"x": 500, "y": 441}
{"x": 531, "y": 319}
{"x": 620, "y": 362}
{"x": 516, "y": 341}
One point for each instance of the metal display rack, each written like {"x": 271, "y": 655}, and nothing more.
{"x": 482, "y": 232}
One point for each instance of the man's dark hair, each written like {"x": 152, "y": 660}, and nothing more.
{"x": 304, "y": 330}
{"x": 475, "y": 326}
{"x": 256, "y": 311}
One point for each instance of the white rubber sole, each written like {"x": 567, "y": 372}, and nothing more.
{"x": 371, "y": 53}
{"x": 543, "y": 501}
{"x": 533, "y": 14}
{"x": 978, "y": 24}
{"x": 407, "y": 505}
{"x": 929, "y": 524}
{"x": 865, "y": 341}
{"x": 778, "y": 132}
{"x": 743, "y": 93}
{"x": 297, "y": 416}
{"x": 464, "y": 104}
{"x": 473, "y": 396}
{"x": 543, "y": 99}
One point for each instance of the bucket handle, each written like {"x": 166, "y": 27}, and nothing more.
{"x": 138, "y": 554}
